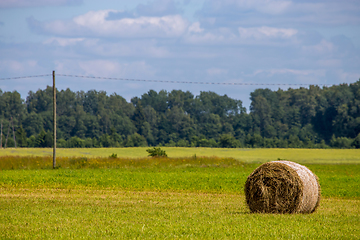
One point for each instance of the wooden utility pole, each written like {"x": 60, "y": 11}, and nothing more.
{"x": 54, "y": 112}
{"x": 12, "y": 123}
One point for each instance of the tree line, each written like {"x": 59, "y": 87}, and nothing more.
{"x": 311, "y": 117}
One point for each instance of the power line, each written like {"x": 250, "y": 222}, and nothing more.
{"x": 34, "y": 76}
{"x": 189, "y": 82}
{"x": 168, "y": 81}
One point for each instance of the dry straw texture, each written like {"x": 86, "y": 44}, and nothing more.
{"x": 282, "y": 187}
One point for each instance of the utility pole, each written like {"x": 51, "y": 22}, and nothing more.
{"x": 54, "y": 112}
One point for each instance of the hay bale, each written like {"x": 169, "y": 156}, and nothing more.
{"x": 282, "y": 187}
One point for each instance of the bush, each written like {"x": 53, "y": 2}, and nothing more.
{"x": 156, "y": 152}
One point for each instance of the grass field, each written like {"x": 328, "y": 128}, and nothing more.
{"x": 185, "y": 198}
{"x": 117, "y": 214}
{"x": 243, "y": 154}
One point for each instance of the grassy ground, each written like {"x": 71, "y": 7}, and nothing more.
{"x": 243, "y": 154}
{"x": 336, "y": 180}
{"x": 186, "y": 198}
{"x": 114, "y": 214}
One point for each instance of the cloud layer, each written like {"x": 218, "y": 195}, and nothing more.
{"x": 97, "y": 24}
{"x": 267, "y": 41}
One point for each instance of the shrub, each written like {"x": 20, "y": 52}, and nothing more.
{"x": 156, "y": 152}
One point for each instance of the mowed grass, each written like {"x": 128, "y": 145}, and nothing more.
{"x": 212, "y": 175}
{"x": 116, "y": 214}
{"x": 143, "y": 198}
{"x": 252, "y": 155}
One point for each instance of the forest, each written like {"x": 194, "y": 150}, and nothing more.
{"x": 313, "y": 117}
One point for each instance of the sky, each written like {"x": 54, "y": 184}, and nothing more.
{"x": 216, "y": 41}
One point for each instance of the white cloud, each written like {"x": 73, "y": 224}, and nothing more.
{"x": 266, "y": 32}
{"x": 96, "y": 24}
{"x": 36, "y": 3}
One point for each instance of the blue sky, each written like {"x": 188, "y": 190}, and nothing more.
{"x": 223, "y": 41}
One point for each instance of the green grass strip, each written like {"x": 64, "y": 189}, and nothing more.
{"x": 113, "y": 214}
{"x": 252, "y": 155}
{"x": 335, "y": 180}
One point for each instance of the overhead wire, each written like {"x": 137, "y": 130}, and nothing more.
{"x": 34, "y": 76}
{"x": 168, "y": 81}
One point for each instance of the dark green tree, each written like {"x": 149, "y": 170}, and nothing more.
{"x": 228, "y": 141}
{"x": 21, "y": 137}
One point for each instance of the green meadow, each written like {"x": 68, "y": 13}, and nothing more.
{"x": 118, "y": 214}
{"x": 191, "y": 195}
{"x": 252, "y": 155}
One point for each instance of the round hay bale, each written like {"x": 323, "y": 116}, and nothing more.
{"x": 282, "y": 187}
